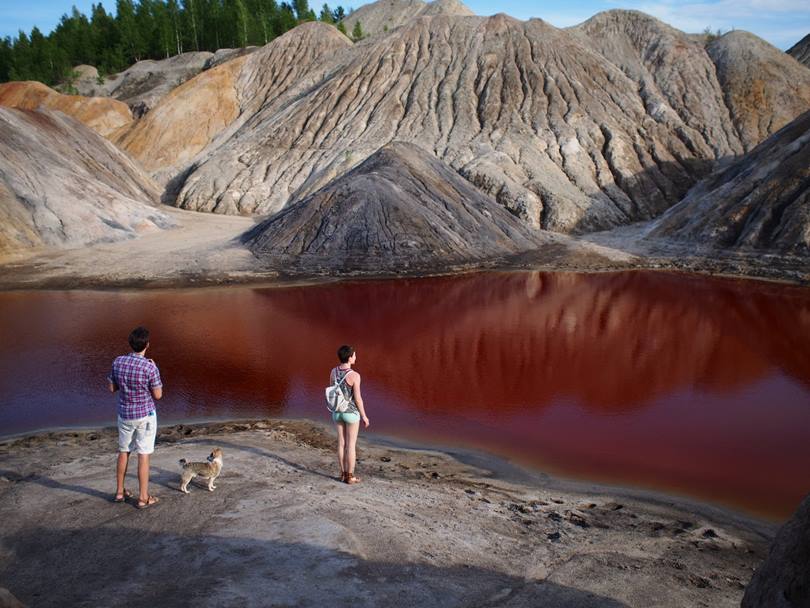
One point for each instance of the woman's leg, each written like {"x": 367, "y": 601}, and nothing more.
{"x": 341, "y": 447}
{"x": 351, "y": 447}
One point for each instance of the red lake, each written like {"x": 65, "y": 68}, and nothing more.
{"x": 689, "y": 385}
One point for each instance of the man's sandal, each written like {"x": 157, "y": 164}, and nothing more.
{"x": 152, "y": 500}
{"x": 123, "y": 497}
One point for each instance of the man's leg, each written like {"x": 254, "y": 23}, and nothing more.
{"x": 143, "y": 478}
{"x": 120, "y": 473}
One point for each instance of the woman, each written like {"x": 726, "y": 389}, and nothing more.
{"x": 348, "y": 422}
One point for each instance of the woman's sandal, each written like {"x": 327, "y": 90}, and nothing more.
{"x": 123, "y": 498}
{"x": 152, "y": 500}
{"x": 350, "y": 479}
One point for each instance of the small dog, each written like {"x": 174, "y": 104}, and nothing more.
{"x": 210, "y": 469}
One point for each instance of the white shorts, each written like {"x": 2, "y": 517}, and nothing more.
{"x": 137, "y": 435}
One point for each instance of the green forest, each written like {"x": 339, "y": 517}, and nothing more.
{"x": 151, "y": 29}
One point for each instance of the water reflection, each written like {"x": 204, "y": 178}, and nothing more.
{"x": 686, "y": 383}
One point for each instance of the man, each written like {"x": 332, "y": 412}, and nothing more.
{"x": 137, "y": 381}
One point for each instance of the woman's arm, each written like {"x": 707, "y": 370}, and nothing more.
{"x": 358, "y": 398}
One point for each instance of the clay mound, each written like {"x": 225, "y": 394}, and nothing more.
{"x": 190, "y": 117}
{"x": 223, "y": 55}
{"x": 672, "y": 70}
{"x": 764, "y": 87}
{"x": 63, "y": 185}
{"x": 783, "y": 579}
{"x": 801, "y": 51}
{"x": 105, "y": 116}
{"x": 142, "y": 85}
{"x": 385, "y": 15}
{"x": 762, "y": 201}
{"x": 400, "y": 209}
{"x": 553, "y": 131}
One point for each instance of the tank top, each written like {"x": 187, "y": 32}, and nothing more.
{"x": 348, "y": 390}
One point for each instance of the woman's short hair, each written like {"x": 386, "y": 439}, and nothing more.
{"x": 139, "y": 339}
{"x": 344, "y": 352}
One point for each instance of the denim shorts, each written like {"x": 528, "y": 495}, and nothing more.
{"x": 347, "y": 417}
{"x": 137, "y": 435}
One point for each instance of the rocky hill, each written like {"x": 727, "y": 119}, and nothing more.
{"x": 801, "y": 51}
{"x": 385, "y": 15}
{"x": 63, "y": 185}
{"x": 571, "y": 130}
{"x": 142, "y": 85}
{"x": 400, "y": 209}
{"x": 761, "y": 201}
{"x": 248, "y": 88}
{"x": 764, "y": 87}
{"x": 105, "y": 116}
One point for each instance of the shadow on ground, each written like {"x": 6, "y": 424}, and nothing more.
{"x": 136, "y": 567}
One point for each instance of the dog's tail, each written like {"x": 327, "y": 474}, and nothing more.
{"x": 183, "y": 462}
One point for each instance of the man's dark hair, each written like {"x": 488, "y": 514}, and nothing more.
{"x": 139, "y": 339}
{"x": 344, "y": 352}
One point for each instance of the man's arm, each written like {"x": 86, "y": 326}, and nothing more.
{"x": 112, "y": 385}
{"x": 155, "y": 383}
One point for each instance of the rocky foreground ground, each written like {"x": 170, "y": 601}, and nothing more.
{"x": 424, "y": 528}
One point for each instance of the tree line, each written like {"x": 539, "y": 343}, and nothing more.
{"x": 151, "y": 29}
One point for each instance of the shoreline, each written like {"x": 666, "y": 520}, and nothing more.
{"x": 502, "y": 468}
{"x": 426, "y": 527}
{"x": 204, "y": 251}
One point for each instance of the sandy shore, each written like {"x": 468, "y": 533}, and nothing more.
{"x": 424, "y": 528}
{"x": 204, "y": 250}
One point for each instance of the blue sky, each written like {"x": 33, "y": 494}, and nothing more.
{"x": 780, "y": 22}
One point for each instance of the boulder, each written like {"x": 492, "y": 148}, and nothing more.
{"x": 783, "y": 579}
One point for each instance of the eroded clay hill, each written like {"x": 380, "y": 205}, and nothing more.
{"x": 761, "y": 201}
{"x": 63, "y": 185}
{"x": 764, "y": 87}
{"x": 385, "y": 15}
{"x": 144, "y": 84}
{"x": 572, "y": 131}
{"x": 246, "y": 89}
{"x": 105, "y": 116}
{"x": 400, "y": 209}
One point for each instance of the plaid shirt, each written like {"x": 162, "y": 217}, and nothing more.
{"x": 135, "y": 376}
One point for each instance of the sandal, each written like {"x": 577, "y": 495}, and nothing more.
{"x": 123, "y": 498}
{"x": 350, "y": 479}
{"x": 343, "y": 477}
{"x": 152, "y": 500}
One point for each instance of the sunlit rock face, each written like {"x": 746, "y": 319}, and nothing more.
{"x": 105, "y": 116}
{"x": 63, "y": 185}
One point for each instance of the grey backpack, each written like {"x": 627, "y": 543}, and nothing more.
{"x": 336, "y": 400}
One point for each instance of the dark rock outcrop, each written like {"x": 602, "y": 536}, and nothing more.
{"x": 801, "y": 51}
{"x": 783, "y": 579}
{"x": 62, "y": 184}
{"x": 761, "y": 201}
{"x": 400, "y": 209}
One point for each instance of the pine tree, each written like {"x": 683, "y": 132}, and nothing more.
{"x": 302, "y": 11}
{"x": 357, "y": 31}
{"x": 326, "y": 14}
{"x": 342, "y": 28}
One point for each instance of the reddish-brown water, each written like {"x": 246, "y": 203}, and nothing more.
{"x": 686, "y": 384}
